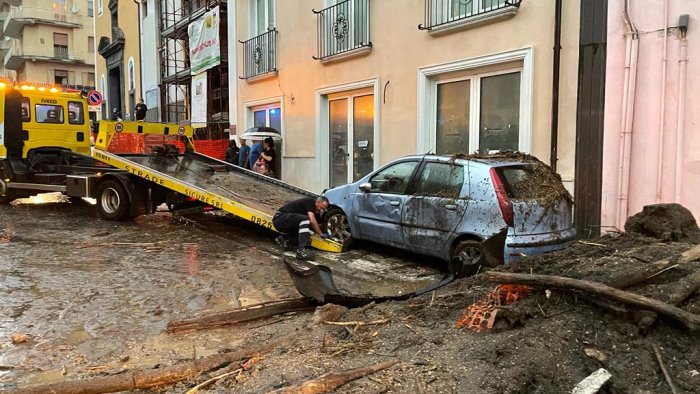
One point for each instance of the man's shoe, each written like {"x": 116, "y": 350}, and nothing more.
{"x": 283, "y": 242}
{"x": 305, "y": 254}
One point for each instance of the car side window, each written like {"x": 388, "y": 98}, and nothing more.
{"x": 48, "y": 113}
{"x": 393, "y": 179}
{"x": 26, "y": 116}
{"x": 441, "y": 180}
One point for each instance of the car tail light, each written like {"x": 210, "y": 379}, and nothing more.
{"x": 503, "y": 199}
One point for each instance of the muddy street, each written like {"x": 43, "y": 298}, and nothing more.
{"x": 93, "y": 296}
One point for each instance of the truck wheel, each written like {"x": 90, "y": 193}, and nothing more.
{"x": 336, "y": 224}
{"x": 466, "y": 258}
{"x": 6, "y": 195}
{"x": 112, "y": 201}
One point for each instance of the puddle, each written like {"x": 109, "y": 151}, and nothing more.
{"x": 77, "y": 337}
{"x": 44, "y": 377}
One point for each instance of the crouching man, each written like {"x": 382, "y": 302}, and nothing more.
{"x": 300, "y": 217}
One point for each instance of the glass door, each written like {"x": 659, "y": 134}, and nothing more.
{"x": 339, "y": 150}
{"x": 351, "y": 139}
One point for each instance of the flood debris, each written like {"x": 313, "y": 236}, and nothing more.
{"x": 593, "y": 383}
{"x": 19, "y": 338}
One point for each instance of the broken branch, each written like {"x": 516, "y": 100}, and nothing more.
{"x": 332, "y": 380}
{"x": 689, "y": 320}
{"x": 238, "y": 315}
{"x": 356, "y": 323}
{"x": 626, "y": 279}
{"x": 674, "y": 390}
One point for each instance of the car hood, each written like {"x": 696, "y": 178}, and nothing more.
{"x": 340, "y": 195}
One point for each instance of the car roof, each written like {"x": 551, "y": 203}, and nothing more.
{"x": 491, "y": 160}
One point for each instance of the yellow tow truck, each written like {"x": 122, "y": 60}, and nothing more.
{"x": 45, "y": 146}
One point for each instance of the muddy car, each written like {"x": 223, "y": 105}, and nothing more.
{"x": 447, "y": 206}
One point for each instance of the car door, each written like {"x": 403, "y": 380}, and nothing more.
{"x": 435, "y": 207}
{"x": 378, "y": 210}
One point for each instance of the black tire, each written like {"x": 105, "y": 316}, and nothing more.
{"x": 466, "y": 258}
{"x": 335, "y": 222}
{"x": 113, "y": 201}
{"x": 8, "y": 197}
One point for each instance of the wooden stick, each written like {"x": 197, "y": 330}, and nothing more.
{"x": 625, "y": 279}
{"x": 356, "y": 323}
{"x": 689, "y": 320}
{"x": 674, "y": 390}
{"x": 147, "y": 378}
{"x": 238, "y": 315}
{"x": 332, "y": 380}
{"x": 195, "y": 389}
{"x": 679, "y": 292}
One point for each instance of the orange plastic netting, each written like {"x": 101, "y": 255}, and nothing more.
{"x": 481, "y": 315}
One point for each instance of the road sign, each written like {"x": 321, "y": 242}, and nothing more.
{"x": 94, "y": 108}
{"x": 119, "y": 127}
{"x": 94, "y": 97}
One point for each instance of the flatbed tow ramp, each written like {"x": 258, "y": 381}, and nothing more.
{"x": 243, "y": 193}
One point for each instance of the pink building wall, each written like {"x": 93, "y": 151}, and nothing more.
{"x": 646, "y": 128}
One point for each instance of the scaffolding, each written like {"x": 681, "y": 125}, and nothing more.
{"x": 175, "y": 87}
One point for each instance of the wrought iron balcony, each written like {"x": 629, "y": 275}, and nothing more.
{"x": 260, "y": 55}
{"x": 447, "y": 13}
{"x": 343, "y": 29}
{"x": 60, "y": 52}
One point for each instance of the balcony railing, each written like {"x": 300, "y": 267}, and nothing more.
{"x": 343, "y": 28}
{"x": 443, "y": 12}
{"x": 22, "y": 15}
{"x": 60, "y": 52}
{"x": 260, "y": 55}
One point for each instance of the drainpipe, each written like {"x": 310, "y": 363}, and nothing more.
{"x": 662, "y": 111}
{"x": 555, "y": 86}
{"x": 138, "y": 23}
{"x": 680, "y": 123}
{"x": 625, "y": 153}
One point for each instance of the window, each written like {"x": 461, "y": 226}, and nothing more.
{"x": 60, "y": 7}
{"x": 90, "y": 79}
{"x": 262, "y": 13}
{"x": 464, "y": 8}
{"x": 75, "y": 113}
{"x": 268, "y": 117}
{"x": 60, "y": 77}
{"x": 91, "y": 8}
{"x": 441, "y": 180}
{"x": 60, "y": 45}
{"x": 497, "y": 111}
{"x": 48, "y": 113}
{"x": 99, "y": 7}
{"x": 26, "y": 114}
{"x": 91, "y": 44}
{"x": 393, "y": 179}
{"x": 131, "y": 74}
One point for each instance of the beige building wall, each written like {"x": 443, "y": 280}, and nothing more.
{"x": 127, "y": 13}
{"x": 402, "y": 69}
{"x": 32, "y": 44}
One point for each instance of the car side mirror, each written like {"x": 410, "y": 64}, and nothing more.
{"x": 366, "y": 187}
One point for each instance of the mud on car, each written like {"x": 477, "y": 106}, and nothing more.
{"x": 448, "y": 206}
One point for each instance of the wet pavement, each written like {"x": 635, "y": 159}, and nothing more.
{"x": 94, "y": 296}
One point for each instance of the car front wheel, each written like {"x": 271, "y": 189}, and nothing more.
{"x": 336, "y": 224}
{"x": 466, "y": 258}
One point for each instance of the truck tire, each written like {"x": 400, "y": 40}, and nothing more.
{"x": 113, "y": 201}
{"x": 8, "y": 197}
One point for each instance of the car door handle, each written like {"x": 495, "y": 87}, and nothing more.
{"x": 450, "y": 207}
{"x": 394, "y": 203}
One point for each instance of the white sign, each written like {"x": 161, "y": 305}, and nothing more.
{"x": 205, "y": 51}
{"x": 199, "y": 100}
{"x": 362, "y": 144}
{"x": 2, "y": 134}
{"x": 94, "y": 108}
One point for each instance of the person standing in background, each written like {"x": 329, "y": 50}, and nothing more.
{"x": 255, "y": 152}
{"x": 140, "y": 110}
{"x": 243, "y": 153}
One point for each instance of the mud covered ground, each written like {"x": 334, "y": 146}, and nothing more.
{"x": 106, "y": 315}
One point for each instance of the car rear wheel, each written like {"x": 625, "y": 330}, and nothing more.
{"x": 336, "y": 224}
{"x": 466, "y": 258}
{"x": 112, "y": 201}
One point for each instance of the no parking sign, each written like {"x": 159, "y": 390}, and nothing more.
{"x": 94, "y": 97}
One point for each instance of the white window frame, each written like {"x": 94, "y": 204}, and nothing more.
{"x": 103, "y": 90}
{"x": 256, "y": 105}
{"x": 131, "y": 74}
{"x": 322, "y": 133}
{"x": 427, "y": 96}
{"x": 99, "y": 7}
{"x": 253, "y": 20}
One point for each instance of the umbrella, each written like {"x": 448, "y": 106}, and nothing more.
{"x": 255, "y": 133}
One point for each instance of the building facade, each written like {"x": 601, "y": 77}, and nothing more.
{"x": 118, "y": 56}
{"x": 652, "y": 137}
{"x": 353, "y": 84}
{"x": 49, "y": 42}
